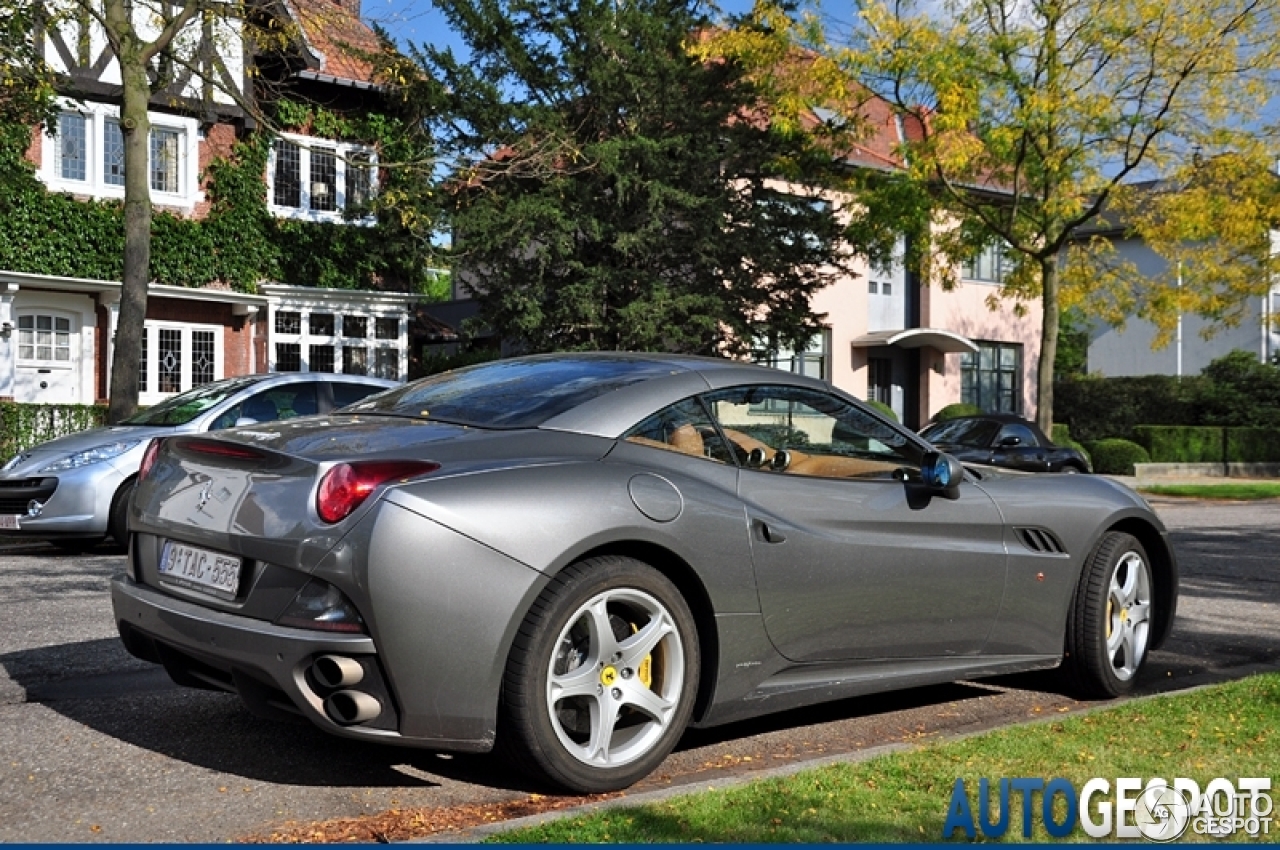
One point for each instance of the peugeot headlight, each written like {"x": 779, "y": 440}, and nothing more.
{"x": 14, "y": 461}
{"x": 94, "y": 455}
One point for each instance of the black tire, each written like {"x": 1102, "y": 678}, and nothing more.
{"x": 610, "y": 677}
{"x": 118, "y": 518}
{"x": 1110, "y": 623}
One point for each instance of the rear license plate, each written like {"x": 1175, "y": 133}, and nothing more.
{"x": 201, "y": 569}
{"x": 8, "y": 522}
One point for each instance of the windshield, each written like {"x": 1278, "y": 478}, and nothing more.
{"x": 520, "y": 393}
{"x": 962, "y": 432}
{"x": 182, "y": 408}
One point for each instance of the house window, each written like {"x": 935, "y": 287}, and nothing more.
{"x": 992, "y": 265}
{"x": 886, "y": 288}
{"x": 324, "y": 187}
{"x": 287, "y": 190}
{"x": 288, "y": 357}
{"x": 164, "y": 160}
{"x": 811, "y": 361}
{"x": 386, "y": 363}
{"x": 44, "y": 339}
{"x": 177, "y": 357}
{"x": 87, "y": 155}
{"x": 73, "y": 147}
{"x": 324, "y": 341}
{"x": 991, "y": 379}
{"x": 873, "y": 287}
{"x": 113, "y": 153}
{"x": 880, "y": 380}
{"x": 318, "y": 180}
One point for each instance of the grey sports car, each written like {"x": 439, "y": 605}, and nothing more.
{"x": 574, "y": 557}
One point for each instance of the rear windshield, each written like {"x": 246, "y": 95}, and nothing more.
{"x": 521, "y": 393}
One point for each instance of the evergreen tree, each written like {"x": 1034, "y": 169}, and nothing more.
{"x": 614, "y": 192}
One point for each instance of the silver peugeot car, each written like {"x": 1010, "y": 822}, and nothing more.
{"x": 74, "y": 490}
{"x": 574, "y": 557}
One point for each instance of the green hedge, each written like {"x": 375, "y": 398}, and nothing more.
{"x": 1208, "y": 444}
{"x": 1117, "y": 457}
{"x": 883, "y": 408}
{"x": 955, "y": 411}
{"x": 25, "y": 425}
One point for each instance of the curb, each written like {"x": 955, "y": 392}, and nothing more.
{"x": 477, "y": 834}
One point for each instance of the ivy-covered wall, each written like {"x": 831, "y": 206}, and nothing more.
{"x": 239, "y": 242}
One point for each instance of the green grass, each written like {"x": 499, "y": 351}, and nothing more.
{"x": 1230, "y": 730}
{"x": 1234, "y": 492}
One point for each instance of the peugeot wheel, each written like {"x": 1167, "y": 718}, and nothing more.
{"x": 602, "y": 676}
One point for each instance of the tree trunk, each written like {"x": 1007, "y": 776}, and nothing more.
{"x": 136, "y": 129}
{"x": 1049, "y": 267}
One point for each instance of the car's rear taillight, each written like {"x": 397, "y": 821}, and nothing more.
{"x": 149, "y": 457}
{"x": 345, "y": 486}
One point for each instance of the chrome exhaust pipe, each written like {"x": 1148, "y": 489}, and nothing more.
{"x": 335, "y": 671}
{"x": 348, "y": 708}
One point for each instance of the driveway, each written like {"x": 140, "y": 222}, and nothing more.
{"x": 100, "y": 747}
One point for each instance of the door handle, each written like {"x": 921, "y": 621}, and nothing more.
{"x": 768, "y": 534}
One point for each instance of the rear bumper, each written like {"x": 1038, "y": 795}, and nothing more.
{"x": 269, "y": 666}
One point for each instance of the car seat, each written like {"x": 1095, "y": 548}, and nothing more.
{"x": 260, "y": 409}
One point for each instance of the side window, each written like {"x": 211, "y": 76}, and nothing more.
{"x": 227, "y": 418}
{"x": 683, "y": 427}
{"x": 298, "y": 400}
{"x": 804, "y": 432}
{"x": 1026, "y": 438}
{"x": 344, "y": 394}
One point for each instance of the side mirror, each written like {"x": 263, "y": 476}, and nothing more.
{"x": 942, "y": 473}
{"x": 1010, "y": 442}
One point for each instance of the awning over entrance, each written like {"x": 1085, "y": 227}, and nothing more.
{"x": 945, "y": 341}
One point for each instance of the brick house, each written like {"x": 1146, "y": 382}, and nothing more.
{"x": 56, "y": 331}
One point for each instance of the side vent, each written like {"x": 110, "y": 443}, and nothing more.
{"x": 1040, "y": 541}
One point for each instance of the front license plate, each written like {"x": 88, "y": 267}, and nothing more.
{"x": 202, "y": 569}
{"x": 8, "y": 522}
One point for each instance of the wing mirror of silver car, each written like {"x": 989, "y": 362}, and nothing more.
{"x": 942, "y": 473}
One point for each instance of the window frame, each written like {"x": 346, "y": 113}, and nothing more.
{"x": 971, "y": 377}
{"x": 95, "y": 184}
{"x": 149, "y": 371}
{"x": 378, "y": 350}
{"x": 344, "y": 154}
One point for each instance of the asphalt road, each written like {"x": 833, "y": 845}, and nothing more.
{"x": 96, "y": 746}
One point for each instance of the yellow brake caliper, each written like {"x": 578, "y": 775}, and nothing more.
{"x": 646, "y": 666}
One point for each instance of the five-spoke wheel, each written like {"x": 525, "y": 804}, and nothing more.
{"x": 602, "y": 676}
{"x": 1110, "y": 623}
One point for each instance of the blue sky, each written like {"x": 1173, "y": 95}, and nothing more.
{"x": 418, "y": 22}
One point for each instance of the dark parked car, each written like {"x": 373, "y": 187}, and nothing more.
{"x": 1002, "y": 439}
{"x": 575, "y": 557}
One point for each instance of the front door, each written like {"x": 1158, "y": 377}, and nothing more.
{"x": 854, "y": 558}
{"x": 48, "y": 367}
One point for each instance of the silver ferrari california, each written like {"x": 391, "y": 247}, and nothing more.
{"x": 575, "y": 557}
